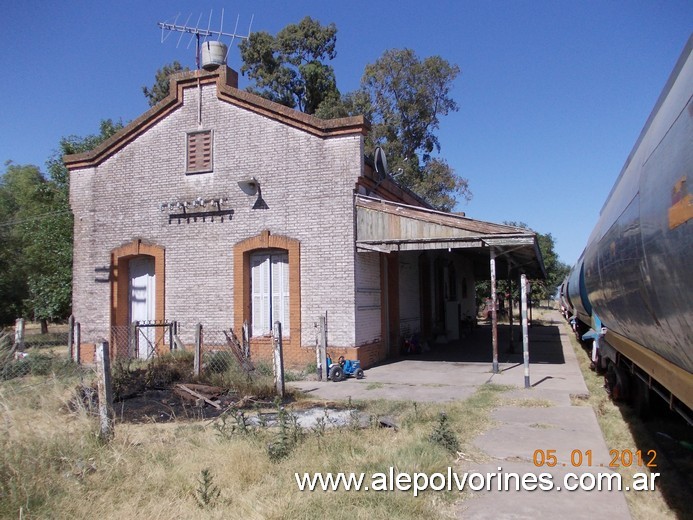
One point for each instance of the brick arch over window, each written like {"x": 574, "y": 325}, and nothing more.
{"x": 242, "y": 252}
{"x": 120, "y": 258}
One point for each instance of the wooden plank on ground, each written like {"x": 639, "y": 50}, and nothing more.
{"x": 199, "y": 396}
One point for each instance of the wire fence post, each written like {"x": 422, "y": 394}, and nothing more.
{"x": 525, "y": 335}
{"x": 78, "y": 342}
{"x": 198, "y": 350}
{"x": 322, "y": 350}
{"x": 103, "y": 368}
{"x": 70, "y": 336}
{"x": 19, "y": 334}
{"x": 246, "y": 340}
{"x": 278, "y": 359}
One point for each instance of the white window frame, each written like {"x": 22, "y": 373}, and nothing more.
{"x": 269, "y": 291}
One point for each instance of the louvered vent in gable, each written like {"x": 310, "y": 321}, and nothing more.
{"x": 199, "y": 151}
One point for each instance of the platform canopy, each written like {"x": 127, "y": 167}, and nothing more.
{"x": 386, "y": 227}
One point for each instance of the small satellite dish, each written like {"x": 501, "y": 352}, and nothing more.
{"x": 380, "y": 162}
{"x": 249, "y": 186}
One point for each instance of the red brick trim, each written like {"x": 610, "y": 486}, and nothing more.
{"x": 120, "y": 257}
{"x": 313, "y": 125}
{"x": 227, "y": 82}
{"x": 293, "y": 354}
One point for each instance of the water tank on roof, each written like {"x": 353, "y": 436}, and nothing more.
{"x": 213, "y": 55}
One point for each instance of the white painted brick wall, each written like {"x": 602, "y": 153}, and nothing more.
{"x": 306, "y": 181}
{"x": 368, "y": 298}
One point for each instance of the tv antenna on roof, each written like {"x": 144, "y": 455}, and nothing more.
{"x": 208, "y": 53}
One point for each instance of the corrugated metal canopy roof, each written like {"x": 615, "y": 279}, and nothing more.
{"x": 385, "y": 227}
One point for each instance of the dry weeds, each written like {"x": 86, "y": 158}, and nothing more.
{"x": 53, "y": 466}
{"x": 617, "y": 425}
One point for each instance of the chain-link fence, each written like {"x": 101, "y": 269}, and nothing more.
{"x": 28, "y": 351}
{"x": 25, "y": 351}
{"x": 221, "y": 351}
{"x": 215, "y": 351}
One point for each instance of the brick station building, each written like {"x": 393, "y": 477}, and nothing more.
{"x": 220, "y": 207}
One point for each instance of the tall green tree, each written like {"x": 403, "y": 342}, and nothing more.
{"x": 405, "y": 98}
{"x": 162, "y": 83}
{"x": 556, "y": 271}
{"x": 17, "y": 184}
{"x": 72, "y": 144}
{"x": 290, "y": 68}
{"x": 37, "y": 227}
{"x": 36, "y": 230}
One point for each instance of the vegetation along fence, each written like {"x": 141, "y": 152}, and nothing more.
{"x": 25, "y": 351}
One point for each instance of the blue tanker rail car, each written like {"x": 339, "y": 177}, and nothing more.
{"x": 630, "y": 291}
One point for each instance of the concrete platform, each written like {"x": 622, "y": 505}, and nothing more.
{"x": 456, "y": 370}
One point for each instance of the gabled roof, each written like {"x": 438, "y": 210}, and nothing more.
{"x": 385, "y": 226}
{"x": 227, "y": 82}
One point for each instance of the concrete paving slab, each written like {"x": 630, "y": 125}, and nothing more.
{"x": 537, "y": 418}
{"x": 565, "y": 429}
{"x": 361, "y": 390}
{"x": 515, "y": 505}
{"x": 537, "y": 395}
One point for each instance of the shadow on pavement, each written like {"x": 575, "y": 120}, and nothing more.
{"x": 544, "y": 347}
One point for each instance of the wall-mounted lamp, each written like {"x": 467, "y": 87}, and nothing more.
{"x": 250, "y": 187}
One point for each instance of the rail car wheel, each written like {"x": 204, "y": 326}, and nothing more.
{"x": 641, "y": 398}
{"x": 616, "y": 383}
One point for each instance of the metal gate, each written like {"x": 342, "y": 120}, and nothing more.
{"x": 150, "y": 338}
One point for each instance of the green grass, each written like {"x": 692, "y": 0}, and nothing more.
{"x": 618, "y": 425}
{"x": 53, "y": 466}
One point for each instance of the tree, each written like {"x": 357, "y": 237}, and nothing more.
{"x": 290, "y": 68}
{"x": 36, "y": 234}
{"x": 404, "y": 97}
{"x": 31, "y": 201}
{"x": 72, "y": 144}
{"x": 438, "y": 184}
{"x": 16, "y": 183}
{"x": 162, "y": 82}
{"x": 409, "y": 96}
{"x": 556, "y": 271}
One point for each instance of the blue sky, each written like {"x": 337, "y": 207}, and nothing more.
{"x": 552, "y": 94}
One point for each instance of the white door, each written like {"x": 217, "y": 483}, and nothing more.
{"x": 142, "y": 301}
{"x": 269, "y": 282}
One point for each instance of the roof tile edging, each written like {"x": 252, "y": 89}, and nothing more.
{"x": 225, "y": 78}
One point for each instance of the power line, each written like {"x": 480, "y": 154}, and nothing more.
{"x": 36, "y": 217}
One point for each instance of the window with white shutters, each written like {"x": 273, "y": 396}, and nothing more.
{"x": 269, "y": 278}
{"x": 199, "y": 152}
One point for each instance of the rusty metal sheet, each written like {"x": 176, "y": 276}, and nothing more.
{"x": 383, "y": 226}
